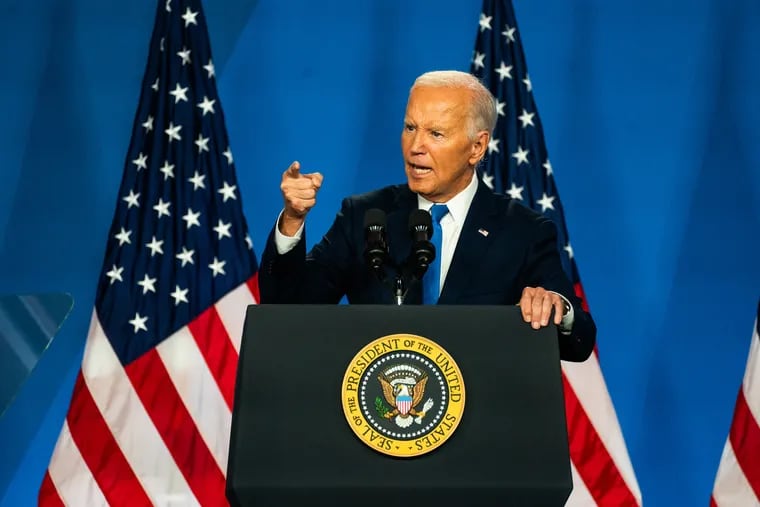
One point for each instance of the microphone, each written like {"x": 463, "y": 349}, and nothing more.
{"x": 375, "y": 244}
{"x": 423, "y": 251}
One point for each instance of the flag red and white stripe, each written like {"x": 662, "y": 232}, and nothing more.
{"x": 737, "y": 481}
{"x": 602, "y": 470}
{"x": 163, "y": 422}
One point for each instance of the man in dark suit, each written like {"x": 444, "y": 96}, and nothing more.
{"x": 493, "y": 251}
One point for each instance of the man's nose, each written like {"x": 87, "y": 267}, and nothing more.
{"x": 418, "y": 143}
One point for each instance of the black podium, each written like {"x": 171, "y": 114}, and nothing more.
{"x": 291, "y": 443}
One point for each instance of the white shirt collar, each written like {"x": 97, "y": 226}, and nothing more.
{"x": 459, "y": 204}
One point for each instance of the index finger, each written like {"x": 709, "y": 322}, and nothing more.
{"x": 525, "y": 305}
{"x": 293, "y": 169}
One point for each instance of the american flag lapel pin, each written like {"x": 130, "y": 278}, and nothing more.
{"x": 483, "y": 232}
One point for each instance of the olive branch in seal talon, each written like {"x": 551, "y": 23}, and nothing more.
{"x": 380, "y": 407}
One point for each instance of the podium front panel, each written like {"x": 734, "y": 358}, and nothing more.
{"x": 292, "y": 443}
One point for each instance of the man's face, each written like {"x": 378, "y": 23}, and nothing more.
{"x": 439, "y": 157}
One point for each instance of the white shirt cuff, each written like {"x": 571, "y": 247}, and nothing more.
{"x": 566, "y": 325}
{"x": 284, "y": 243}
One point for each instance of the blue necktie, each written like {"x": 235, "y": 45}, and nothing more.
{"x": 431, "y": 281}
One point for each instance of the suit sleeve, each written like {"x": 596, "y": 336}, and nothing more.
{"x": 319, "y": 277}
{"x": 543, "y": 268}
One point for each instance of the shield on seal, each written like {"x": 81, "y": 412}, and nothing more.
{"x": 403, "y": 403}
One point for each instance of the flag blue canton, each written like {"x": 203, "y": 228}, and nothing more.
{"x": 179, "y": 240}
{"x": 517, "y": 163}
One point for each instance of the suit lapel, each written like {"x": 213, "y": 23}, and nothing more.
{"x": 480, "y": 227}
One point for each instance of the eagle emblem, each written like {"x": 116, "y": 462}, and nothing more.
{"x": 403, "y": 388}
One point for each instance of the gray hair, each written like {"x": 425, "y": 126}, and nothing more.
{"x": 483, "y": 108}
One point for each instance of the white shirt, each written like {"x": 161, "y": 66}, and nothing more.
{"x": 451, "y": 223}
{"x": 451, "y": 226}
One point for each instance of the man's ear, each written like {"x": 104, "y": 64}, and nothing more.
{"x": 479, "y": 146}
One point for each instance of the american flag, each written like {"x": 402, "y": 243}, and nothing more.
{"x": 517, "y": 164}
{"x": 150, "y": 414}
{"x": 737, "y": 481}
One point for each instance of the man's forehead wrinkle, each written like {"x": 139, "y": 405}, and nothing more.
{"x": 441, "y": 116}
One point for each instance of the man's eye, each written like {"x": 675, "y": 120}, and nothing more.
{"x": 408, "y": 127}
{"x": 435, "y": 133}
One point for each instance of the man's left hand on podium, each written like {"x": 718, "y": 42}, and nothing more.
{"x": 536, "y": 305}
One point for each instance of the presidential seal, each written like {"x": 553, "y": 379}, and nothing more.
{"x": 403, "y": 395}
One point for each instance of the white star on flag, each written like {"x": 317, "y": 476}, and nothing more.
{"x": 162, "y": 208}
{"x": 179, "y": 295}
{"x": 185, "y": 55}
{"x": 515, "y": 192}
{"x": 478, "y": 61}
{"x": 168, "y": 170}
{"x": 155, "y": 246}
{"x": 228, "y": 154}
{"x": 217, "y": 267}
{"x": 521, "y": 155}
{"x": 115, "y": 274}
{"x": 148, "y": 284}
{"x": 207, "y": 106}
{"x": 189, "y": 17}
{"x": 141, "y": 161}
{"x": 132, "y": 199}
{"x": 173, "y": 132}
{"x": 546, "y": 202}
{"x": 500, "y": 107}
{"x": 526, "y": 118}
{"x": 509, "y": 33}
{"x": 210, "y": 68}
{"x": 202, "y": 143}
{"x": 139, "y": 323}
{"x": 504, "y": 71}
{"x": 222, "y": 229}
{"x": 191, "y": 218}
{"x": 485, "y": 22}
{"x": 227, "y": 191}
{"x": 179, "y": 93}
{"x": 123, "y": 236}
{"x": 197, "y": 180}
{"x": 186, "y": 256}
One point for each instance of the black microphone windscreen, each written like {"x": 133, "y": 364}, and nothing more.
{"x": 374, "y": 216}
{"x": 420, "y": 217}
{"x": 423, "y": 251}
